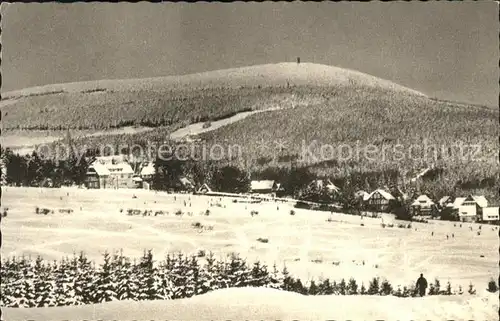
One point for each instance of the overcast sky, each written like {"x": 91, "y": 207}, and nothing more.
{"x": 444, "y": 49}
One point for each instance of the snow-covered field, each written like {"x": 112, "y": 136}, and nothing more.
{"x": 397, "y": 254}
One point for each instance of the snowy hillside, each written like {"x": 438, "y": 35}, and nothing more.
{"x": 268, "y": 74}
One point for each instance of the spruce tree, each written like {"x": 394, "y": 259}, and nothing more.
{"x": 148, "y": 286}
{"x": 259, "y": 276}
{"x": 84, "y": 282}
{"x": 374, "y": 287}
{"x": 352, "y": 287}
{"x": 313, "y": 288}
{"x": 448, "y": 289}
{"x": 237, "y": 272}
{"x": 42, "y": 284}
{"x": 362, "y": 290}
{"x": 105, "y": 289}
{"x": 437, "y": 286}
{"x": 126, "y": 277}
{"x": 60, "y": 295}
{"x": 275, "y": 278}
{"x": 386, "y": 288}
{"x": 177, "y": 274}
{"x": 288, "y": 282}
{"x": 299, "y": 287}
{"x": 221, "y": 280}
{"x": 192, "y": 285}
{"x": 163, "y": 284}
{"x": 342, "y": 287}
{"x": 207, "y": 276}
{"x": 325, "y": 287}
{"x": 26, "y": 297}
{"x": 398, "y": 292}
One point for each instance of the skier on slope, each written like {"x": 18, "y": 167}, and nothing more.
{"x": 421, "y": 285}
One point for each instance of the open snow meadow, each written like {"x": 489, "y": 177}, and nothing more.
{"x": 312, "y": 245}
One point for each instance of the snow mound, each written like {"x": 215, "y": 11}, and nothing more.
{"x": 269, "y": 304}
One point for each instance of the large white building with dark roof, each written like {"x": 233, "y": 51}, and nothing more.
{"x": 110, "y": 172}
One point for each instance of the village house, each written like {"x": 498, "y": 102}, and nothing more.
{"x": 469, "y": 208}
{"x": 445, "y": 200}
{"x": 204, "y": 189}
{"x": 146, "y": 175}
{"x": 109, "y": 172}
{"x": 489, "y": 214}
{"x": 423, "y": 206}
{"x": 362, "y": 195}
{"x": 264, "y": 187}
{"x": 398, "y": 194}
{"x": 319, "y": 184}
{"x": 186, "y": 184}
{"x": 379, "y": 201}
{"x": 97, "y": 176}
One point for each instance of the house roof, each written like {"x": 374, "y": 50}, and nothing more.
{"x": 383, "y": 193}
{"x": 261, "y": 185}
{"x": 422, "y": 200}
{"x": 480, "y": 200}
{"x": 362, "y": 194}
{"x": 402, "y": 194}
{"x": 204, "y": 187}
{"x": 320, "y": 184}
{"x": 185, "y": 181}
{"x": 98, "y": 169}
{"x": 149, "y": 169}
{"x": 443, "y": 200}
{"x": 110, "y": 159}
{"x": 103, "y": 165}
{"x": 120, "y": 168}
{"x": 457, "y": 202}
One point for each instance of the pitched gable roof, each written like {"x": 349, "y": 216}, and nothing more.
{"x": 99, "y": 169}
{"x": 110, "y": 159}
{"x": 204, "y": 189}
{"x": 148, "y": 169}
{"x": 120, "y": 168}
{"x": 320, "y": 184}
{"x": 261, "y": 185}
{"x": 186, "y": 182}
{"x": 362, "y": 194}
{"x": 423, "y": 200}
{"x": 444, "y": 200}
{"x": 383, "y": 193}
{"x": 480, "y": 200}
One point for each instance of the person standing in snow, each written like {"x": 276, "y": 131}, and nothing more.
{"x": 421, "y": 285}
